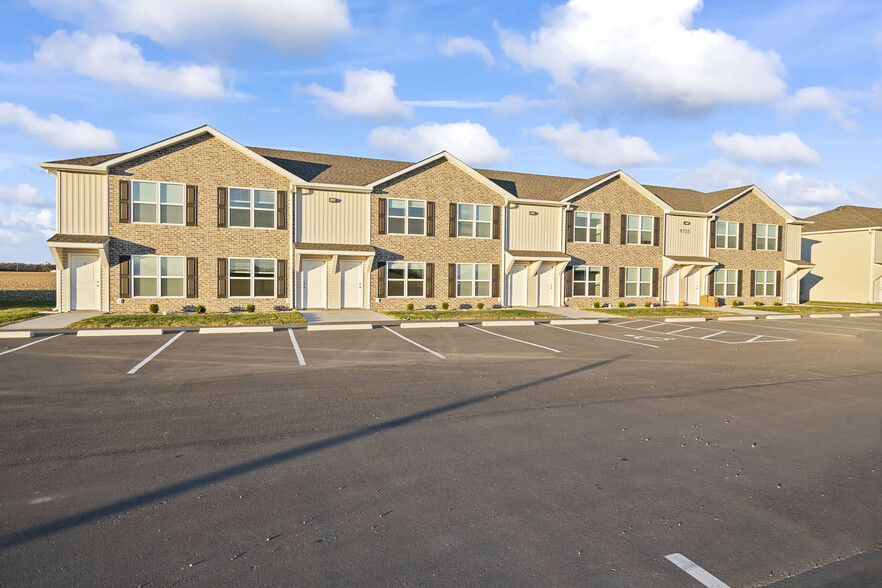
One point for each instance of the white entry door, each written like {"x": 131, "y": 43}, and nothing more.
{"x": 692, "y": 286}
{"x": 672, "y": 288}
{"x": 791, "y": 289}
{"x": 351, "y": 278}
{"x": 545, "y": 285}
{"x": 517, "y": 285}
{"x": 313, "y": 284}
{"x": 85, "y": 282}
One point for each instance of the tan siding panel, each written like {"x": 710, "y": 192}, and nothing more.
{"x": 534, "y": 232}
{"x": 793, "y": 243}
{"x": 878, "y": 236}
{"x": 81, "y": 206}
{"x": 842, "y": 267}
{"x": 682, "y": 238}
{"x": 332, "y": 217}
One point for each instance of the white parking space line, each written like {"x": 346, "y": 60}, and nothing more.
{"x": 763, "y": 325}
{"x": 154, "y": 354}
{"x": 296, "y": 348}
{"x": 833, "y": 324}
{"x": 603, "y": 337}
{"x": 513, "y": 339}
{"x": 709, "y": 337}
{"x": 715, "y": 334}
{"x": 435, "y": 353}
{"x": 691, "y": 568}
{"x": 29, "y": 344}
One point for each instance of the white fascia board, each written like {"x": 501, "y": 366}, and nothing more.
{"x": 857, "y": 229}
{"x": 690, "y": 213}
{"x": 333, "y": 187}
{"x": 62, "y": 245}
{"x": 592, "y": 186}
{"x": 72, "y": 168}
{"x": 343, "y": 252}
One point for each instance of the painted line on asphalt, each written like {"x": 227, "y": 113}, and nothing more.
{"x": 603, "y": 337}
{"x": 412, "y": 342}
{"x": 654, "y": 324}
{"x": 154, "y": 354}
{"x": 691, "y": 568}
{"x": 715, "y": 334}
{"x": 296, "y": 348}
{"x": 31, "y": 343}
{"x": 830, "y": 323}
{"x": 513, "y": 339}
{"x": 760, "y": 325}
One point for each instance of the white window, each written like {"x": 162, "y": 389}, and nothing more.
{"x": 473, "y": 279}
{"x": 158, "y": 276}
{"x": 474, "y": 220}
{"x": 405, "y": 279}
{"x": 405, "y": 217}
{"x": 252, "y": 278}
{"x": 640, "y": 229}
{"x": 158, "y": 202}
{"x": 252, "y": 208}
{"x": 638, "y": 281}
{"x": 725, "y": 282}
{"x": 587, "y": 281}
{"x": 765, "y": 282}
{"x": 588, "y": 227}
{"x": 727, "y": 235}
{"x": 767, "y": 237}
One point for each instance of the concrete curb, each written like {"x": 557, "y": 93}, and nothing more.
{"x": 686, "y": 319}
{"x": 227, "y": 330}
{"x": 118, "y": 332}
{"x": 737, "y": 318}
{"x": 16, "y": 334}
{"x": 517, "y": 323}
{"x": 864, "y": 314}
{"x": 428, "y": 324}
{"x": 825, "y": 316}
{"x": 340, "y": 327}
{"x": 783, "y": 317}
{"x": 575, "y": 322}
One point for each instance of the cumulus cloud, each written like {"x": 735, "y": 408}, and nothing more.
{"x": 466, "y": 46}
{"x": 796, "y": 190}
{"x": 366, "y": 92}
{"x": 598, "y": 147}
{"x": 830, "y": 101}
{"x": 24, "y": 195}
{"x": 287, "y": 24}
{"x": 466, "y": 140}
{"x": 57, "y": 131}
{"x": 717, "y": 174}
{"x": 516, "y": 104}
{"x": 645, "y": 52}
{"x": 107, "y": 58}
{"x": 784, "y": 149}
{"x": 31, "y": 227}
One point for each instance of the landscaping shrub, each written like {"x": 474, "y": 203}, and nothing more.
{"x": 445, "y": 305}
{"x": 410, "y": 306}
{"x": 621, "y": 304}
{"x": 648, "y": 304}
{"x": 736, "y": 303}
{"x": 154, "y": 308}
{"x": 249, "y": 307}
{"x": 757, "y": 303}
{"x": 596, "y": 305}
{"x": 480, "y": 306}
{"x": 200, "y": 309}
{"x": 777, "y": 303}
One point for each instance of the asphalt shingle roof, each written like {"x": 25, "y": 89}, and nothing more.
{"x": 845, "y": 217}
{"x": 685, "y": 199}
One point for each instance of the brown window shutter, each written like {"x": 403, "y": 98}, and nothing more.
{"x": 125, "y": 276}
{"x": 222, "y": 208}
{"x": 713, "y": 234}
{"x": 752, "y": 283}
{"x": 655, "y": 282}
{"x": 740, "y": 235}
{"x": 430, "y": 219}
{"x": 495, "y": 283}
{"x": 453, "y": 219}
{"x": 192, "y": 280}
{"x": 656, "y": 231}
{"x": 740, "y": 283}
{"x": 621, "y": 281}
{"x": 221, "y": 277}
{"x": 381, "y": 279}
{"x": 191, "y": 206}
{"x": 430, "y": 280}
{"x": 624, "y": 229}
{"x": 571, "y": 225}
{"x": 780, "y": 237}
{"x": 777, "y": 283}
{"x": 281, "y": 278}
{"x": 125, "y": 188}
{"x": 281, "y": 210}
{"x": 381, "y": 217}
{"x": 604, "y": 286}
{"x": 451, "y": 280}
{"x": 753, "y": 237}
{"x": 497, "y": 213}
{"x": 606, "y": 228}
{"x": 568, "y": 282}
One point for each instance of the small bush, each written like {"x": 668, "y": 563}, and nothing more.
{"x": 410, "y": 306}
{"x": 596, "y": 305}
{"x": 200, "y": 309}
{"x": 757, "y": 303}
{"x": 777, "y": 303}
{"x": 154, "y": 308}
{"x": 736, "y": 303}
{"x": 249, "y": 307}
{"x": 445, "y": 305}
{"x": 648, "y": 304}
{"x": 480, "y": 306}
{"x": 621, "y": 304}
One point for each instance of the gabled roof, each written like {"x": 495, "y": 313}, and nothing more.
{"x": 535, "y": 186}
{"x": 846, "y": 217}
{"x": 331, "y": 169}
{"x": 91, "y": 160}
{"x": 684, "y": 199}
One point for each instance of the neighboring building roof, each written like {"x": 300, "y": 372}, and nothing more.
{"x": 846, "y": 217}
{"x": 332, "y": 247}
{"x": 684, "y": 199}
{"x": 91, "y": 160}
{"x": 61, "y": 238}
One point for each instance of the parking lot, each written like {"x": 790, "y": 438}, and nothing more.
{"x": 580, "y": 454}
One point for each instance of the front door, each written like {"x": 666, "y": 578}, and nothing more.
{"x": 672, "y": 288}
{"x": 313, "y": 286}
{"x": 85, "y": 282}
{"x": 545, "y": 285}
{"x": 692, "y": 286}
{"x": 351, "y": 278}
{"x": 791, "y": 289}
{"x": 517, "y": 285}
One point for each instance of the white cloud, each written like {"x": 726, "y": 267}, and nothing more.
{"x": 25, "y": 195}
{"x": 466, "y": 140}
{"x": 598, "y": 147}
{"x": 797, "y": 190}
{"x": 717, "y": 174}
{"x": 647, "y": 53}
{"x": 31, "y": 227}
{"x": 366, "y": 92}
{"x": 304, "y": 25}
{"x": 467, "y": 46}
{"x": 455, "y": 104}
{"x": 57, "y": 131}
{"x": 515, "y": 104}
{"x": 831, "y": 101}
{"x": 107, "y": 58}
{"x": 771, "y": 150}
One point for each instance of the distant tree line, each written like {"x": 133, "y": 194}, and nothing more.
{"x": 11, "y": 266}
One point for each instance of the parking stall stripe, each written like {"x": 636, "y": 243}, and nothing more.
{"x": 695, "y": 571}
{"x": 513, "y": 339}
{"x": 154, "y": 354}
{"x": 435, "y": 353}
{"x": 603, "y": 337}
{"x": 829, "y": 323}
{"x": 29, "y": 344}
{"x": 776, "y": 339}
{"x": 713, "y": 335}
{"x": 296, "y": 348}
{"x": 761, "y": 325}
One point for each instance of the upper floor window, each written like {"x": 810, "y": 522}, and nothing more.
{"x": 587, "y": 281}
{"x": 726, "y": 235}
{"x": 765, "y": 282}
{"x": 766, "y": 237}
{"x": 405, "y": 279}
{"x": 588, "y": 227}
{"x": 405, "y": 217}
{"x": 473, "y": 279}
{"x": 638, "y": 281}
{"x": 725, "y": 282}
{"x": 474, "y": 220}
{"x": 157, "y": 202}
{"x": 639, "y": 229}
{"x": 252, "y": 278}
{"x": 252, "y": 208}
{"x": 156, "y": 275}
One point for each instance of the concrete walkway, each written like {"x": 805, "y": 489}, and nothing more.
{"x": 734, "y": 309}
{"x": 343, "y": 316}
{"x": 573, "y": 313}
{"x": 52, "y": 321}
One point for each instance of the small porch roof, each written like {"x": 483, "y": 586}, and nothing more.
{"x": 329, "y": 248}
{"x": 77, "y": 241}
{"x": 520, "y": 254}
{"x": 689, "y": 260}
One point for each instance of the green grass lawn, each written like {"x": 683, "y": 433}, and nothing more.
{"x": 848, "y": 305}
{"x": 13, "y": 311}
{"x": 109, "y": 321}
{"x": 660, "y": 311}
{"x": 451, "y": 315}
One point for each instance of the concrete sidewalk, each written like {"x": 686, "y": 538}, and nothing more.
{"x": 567, "y": 312}
{"x": 52, "y": 321}
{"x": 734, "y": 309}
{"x": 343, "y": 316}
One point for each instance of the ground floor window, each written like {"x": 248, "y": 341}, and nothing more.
{"x": 587, "y": 280}
{"x": 473, "y": 279}
{"x": 725, "y": 282}
{"x": 765, "y": 282}
{"x": 638, "y": 281}
{"x": 156, "y": 275}
{"x": 405, "y": 279}
{"x": 252, "y": 278}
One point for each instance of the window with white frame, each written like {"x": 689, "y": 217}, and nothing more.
{"x": 252, "y": 208}
{"x": 158, "y": 276}
{"x": 588, "y": 227}
{"x": 587, "y": 280}
{"x": 639, "y": 229}
{"x": 473, "y": 279}
{"x": 725, "y": 282}
{"x": 252, "y": 278}
{"x": 767, "y": 237}
{"x": 405, "y": 279}
{"x": 726, "y": 235}
{"x": 474, "y": 220}
{"x": 405, "y": 217}
{"x": 638, "y": 281}
{"x": 765, "y": 282}
{"x": 158, "y": 202}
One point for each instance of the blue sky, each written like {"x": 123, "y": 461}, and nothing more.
{"x": 783, "y": 94}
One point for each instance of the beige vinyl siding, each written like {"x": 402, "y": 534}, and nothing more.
{"x": 877, "y": 250}
{"x": 532, "y": 288}
{"x": 333, "y": 286}
{"x": 536, "y": 232}
{"x": 82, "y": 203}
{"x": 685, "y": 235}
{"x": 842, "y": 267}
{"x": 323, "y": 216}
{"x": 793, "y": 241}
